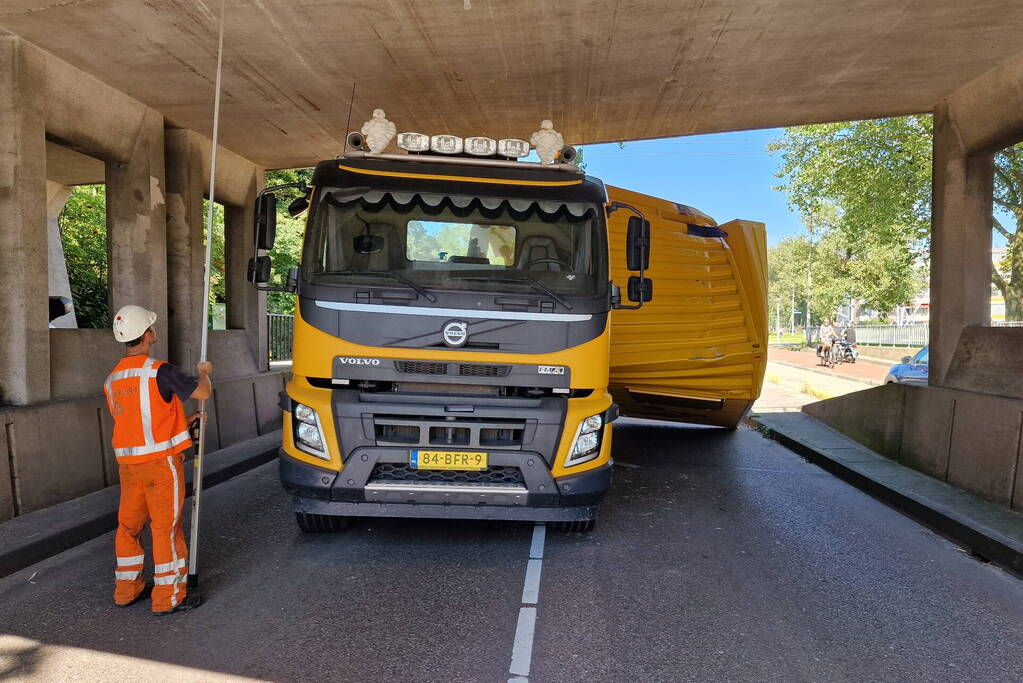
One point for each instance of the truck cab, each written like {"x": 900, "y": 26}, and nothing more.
{"x": 451, "y": 344}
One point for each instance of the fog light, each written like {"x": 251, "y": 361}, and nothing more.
{"x": 414, "y": 142}
{"x": 586, "y": 445}
{"x": 446, "y": 144}
{"x": 481, "y": 147}
{"x": 512, "y": 147}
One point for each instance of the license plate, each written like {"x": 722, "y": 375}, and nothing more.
{"x": 448, "y": 460}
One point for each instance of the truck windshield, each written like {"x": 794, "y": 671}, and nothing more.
{"x": 519, "y": 246}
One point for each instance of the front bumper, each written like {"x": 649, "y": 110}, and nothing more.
{"x": 356, "y": 492}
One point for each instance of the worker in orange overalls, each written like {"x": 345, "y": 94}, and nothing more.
{"x": 145, "y": 397}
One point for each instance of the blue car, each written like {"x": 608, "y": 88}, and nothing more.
{"x": 912, "y": 370}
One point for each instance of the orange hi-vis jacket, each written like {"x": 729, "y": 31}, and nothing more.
{"x": 146, "y": 427}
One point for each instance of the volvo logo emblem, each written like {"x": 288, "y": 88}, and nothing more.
{"x": 455, "y": 333}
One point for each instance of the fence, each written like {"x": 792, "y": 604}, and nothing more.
{"x": 892, "y": 335}
{"x": 281, "y": 333}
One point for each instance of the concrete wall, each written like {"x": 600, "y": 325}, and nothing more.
{"x": 60, "y": 450}
{"x": 54, "y": 425}
{"x": 967, "y": 438}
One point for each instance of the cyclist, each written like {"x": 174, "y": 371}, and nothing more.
{"x": 827, "y": 335}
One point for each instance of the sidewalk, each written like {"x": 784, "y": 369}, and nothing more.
{"x": 991, "y": 532}
{"x": 37, "y": 535}
{"x": 868, "y": 373}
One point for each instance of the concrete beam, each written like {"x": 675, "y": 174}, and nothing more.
{"x": 960, "y": 241}
{"x": 24, "y": 344}
{"x": 989, "y": 109}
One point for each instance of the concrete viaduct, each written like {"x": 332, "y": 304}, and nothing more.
{"x": 120, "y": 91}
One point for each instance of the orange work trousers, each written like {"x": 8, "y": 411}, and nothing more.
{"x": 152, "y": 492}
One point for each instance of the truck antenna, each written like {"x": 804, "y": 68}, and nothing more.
{"x": 348, "y": 124}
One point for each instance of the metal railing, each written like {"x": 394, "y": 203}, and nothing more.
{"x": 281, "y": 333}
{"x": 893, "y": 335}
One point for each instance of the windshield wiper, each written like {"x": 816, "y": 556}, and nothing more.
{"x": 536, "y": 284}
{"x": 429, "y": 296}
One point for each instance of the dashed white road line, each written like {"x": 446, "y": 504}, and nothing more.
{"x": 522, "y": 649}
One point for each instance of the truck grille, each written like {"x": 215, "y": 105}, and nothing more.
{"x": 411, "y": 367}
{"x": 386, "y": 471}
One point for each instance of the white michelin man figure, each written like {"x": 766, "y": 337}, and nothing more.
{"x": 378, "y": 132}
{"x": 547, "y": 141}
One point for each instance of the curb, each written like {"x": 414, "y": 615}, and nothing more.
{"x": 828, "y": 373}
{"x": 950, "y": 520}
{"x": 37, "y": 535}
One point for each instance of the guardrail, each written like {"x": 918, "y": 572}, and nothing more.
{"x": 281, "y": 333}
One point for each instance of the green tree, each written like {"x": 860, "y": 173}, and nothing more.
{"x": 878, "y": 173}
{"x": 1008, "y": 275}
{"x": 287, "y": 251}
{"x": 83, "y": 232}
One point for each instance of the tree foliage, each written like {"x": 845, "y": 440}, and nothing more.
{"x": 878, "y": 175}
{"x": 287, "y": 251}
{"x": 83, "y": 232}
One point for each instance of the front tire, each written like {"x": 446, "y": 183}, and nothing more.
{"x": 319, "y": 524}
{"x": 579, "y": 526}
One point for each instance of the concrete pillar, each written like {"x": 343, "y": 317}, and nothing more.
{"x": 24, "y": 343}
{"x": 59, "y": 284}
{"x": 137, "y": 225}
{"x": 246, "y": 306}
{"x": 185, "y": 249}
{"x": 960, "y": 241}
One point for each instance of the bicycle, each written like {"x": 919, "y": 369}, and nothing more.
{"x": 827, "y": 359}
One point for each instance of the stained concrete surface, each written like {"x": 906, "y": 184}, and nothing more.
{"x": 603, "y": 70}
{"x": 719, "y": 556}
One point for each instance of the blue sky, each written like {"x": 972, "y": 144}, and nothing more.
{"x": 727, "y": 175}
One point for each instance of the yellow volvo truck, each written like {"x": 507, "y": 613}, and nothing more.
{"x": 453, "y": 337}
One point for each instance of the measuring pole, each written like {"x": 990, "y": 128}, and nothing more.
{"x": 193, "y": 546}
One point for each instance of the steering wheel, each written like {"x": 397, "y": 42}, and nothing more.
{"x": 555, "y": 261}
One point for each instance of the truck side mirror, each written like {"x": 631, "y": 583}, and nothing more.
{"x": 298, "y": 206}
{"x": 637, "y": 245}
{"x": 266, "y": 221}
{"x": 640, "y": 288}
{"x": 259, "y": 270}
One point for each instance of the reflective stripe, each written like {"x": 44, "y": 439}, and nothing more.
{"x": 146, "y": 409}
{"x": 129, "y": 561}
{"x": 127, "y": 575}
{"x": 170, "y": 579}
{"x": 169, "y": 566}
{"x": 174, "y": 525}
{"x": 128, "y": 451}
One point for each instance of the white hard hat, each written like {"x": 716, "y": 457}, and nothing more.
{"x": 131, "y": 322}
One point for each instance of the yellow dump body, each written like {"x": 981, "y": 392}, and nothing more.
{"x": 696, "y": 353}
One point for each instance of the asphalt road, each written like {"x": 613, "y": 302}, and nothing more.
{"x": 719, "y": 556}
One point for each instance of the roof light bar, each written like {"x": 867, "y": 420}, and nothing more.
{"x": 512, "y": 147}
{"x": 414, "y": 142}
{"x": 446, "y": 144}
{"x": 481, "y": 147}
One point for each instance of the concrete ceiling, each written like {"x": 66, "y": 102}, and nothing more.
{"x": 602, "y": 70}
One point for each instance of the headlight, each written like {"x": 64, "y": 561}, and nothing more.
{"x": 446, "y": 144}
{"x": 414, "y": 142}
{"x": 586, "y": 446}
{"x": 308, "y": 435}
{"x": 481, "y": 147}
{"x": 512, "y": 147}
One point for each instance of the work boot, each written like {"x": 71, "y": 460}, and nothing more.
{"x": 190, "y": 602}
{"x": 143, "y": 594}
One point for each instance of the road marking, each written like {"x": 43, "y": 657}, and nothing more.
{"x": 531, "y": 587}
{"x": 522, "y": 648}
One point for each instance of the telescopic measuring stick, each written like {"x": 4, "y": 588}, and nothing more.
{"x": 193, "y": 545}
